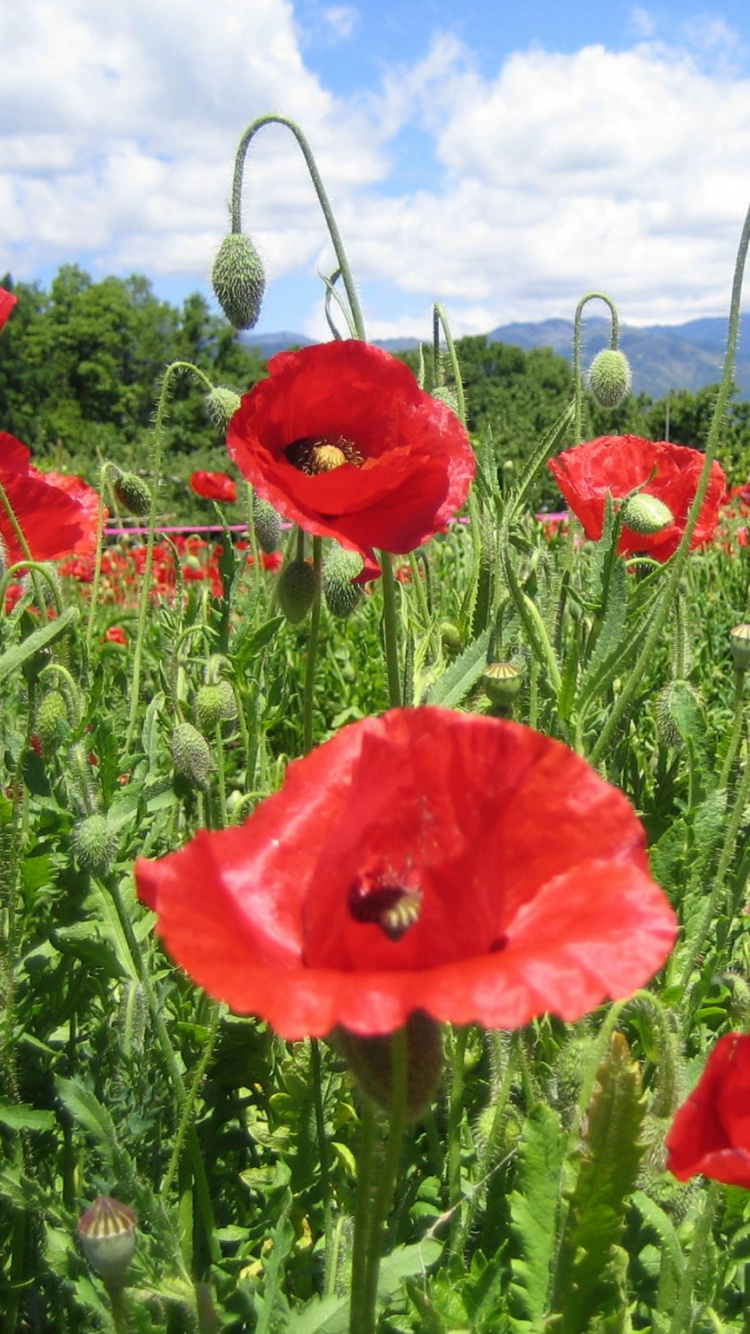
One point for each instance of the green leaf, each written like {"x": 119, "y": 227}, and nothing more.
{"x": 534, "y": 1206}
{"x": 22, "y": 1117}
{"x": 590, "y": 1278}
{"x": 330, "y": 1315}
{"x": 462, "y": 674}
{"x": 14, "y": 658}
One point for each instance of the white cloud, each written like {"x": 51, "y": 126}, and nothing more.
{"x": 627, "y": 171}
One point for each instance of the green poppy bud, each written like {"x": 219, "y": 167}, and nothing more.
{"x": 296, "y": 590}
{"x": 645, "y": 514}
{"x": 339, "y": 569}
{"x": 132, "y": 493}
{"x": 214, "y": 704}
{"x": 95, "y": 844}
{"x": 191, "y": 755}
{"x": 221, "y": 405}
{"x": 267, "y": 525}
{"x": 52, "y": 712}
{"x": 610, "y": 378}
{"x": 739, "y": 642}
{"x": 238, "y": 280}
{"x": 108, "y": 1236}
{"x": 370, "y": 1060}
{"x": 451, "y": 639}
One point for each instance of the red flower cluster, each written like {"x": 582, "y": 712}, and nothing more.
{"x": 409, "y": 864}
{"x": 341, "y": 440}
{"x": 56, "y": 514}
{"x": 123, "y": 568}
{"x": 7, "y": 302}
{"x": 617, "y": 464}
{"x": 213, "y": 485}
{"x": 710, "y": 1133}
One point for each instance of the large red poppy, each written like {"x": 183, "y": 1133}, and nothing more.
{"x": 425, "y": 860}
{"x": 57, "y": 514}
{"x": 213, "y": 485}
{"x": 7, "y": 302}
{"x": 710, "y": 1134}
{"x": 341, "y": 440}
{"x": 617, "y": 464}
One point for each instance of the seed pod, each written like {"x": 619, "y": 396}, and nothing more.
{"x": 501, "y": 682}
{"x": 108, "y": 1236}
{"x": 610, "y": 378}
{"x": 238, "y": 280}
{"x": 739, "y": 642}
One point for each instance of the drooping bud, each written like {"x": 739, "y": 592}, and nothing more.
{"x": 132, "y": 493}
{"x": 666, "y": 724}
{"x": 370, "y": 1060}
{"x": 215, "y": 703}
{"x": 339, "y": 569}
{"x": 451, "y": 639}
{"x": 645, "y": 514}
{"x": 221, "y": 405}
{"x": 238, "y": 280}
{"x": 501, "y": 682}
{"x": 191, "y": 755}
{"x": 296, "y": 590}
{"x": 739, "y": 642}
{"x": 108, "y": 1236}
{"x": 267, "y": 525}
{"x": 95, "y": 844}
{"x": 610, "y": 378}
{"x": 51, "y": 718}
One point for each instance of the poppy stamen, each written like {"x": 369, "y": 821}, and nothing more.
{"x": 312, "y": 455}
{"x": 393, "y": 908}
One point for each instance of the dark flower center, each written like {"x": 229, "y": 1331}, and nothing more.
{"x": 392, "y": 907}
{"x": 313, "y": 454}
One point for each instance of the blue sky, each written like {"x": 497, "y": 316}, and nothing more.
{"x": 498, "y": 157}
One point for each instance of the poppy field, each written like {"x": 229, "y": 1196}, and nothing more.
{"x": 374, "y": 930}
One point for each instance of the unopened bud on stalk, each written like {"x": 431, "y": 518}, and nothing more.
{"x": 95, "y": 844}
{"x": 108, "y": 1236}
{"x": 370, "y": 1060}
{"x": 645, "y": 514}
{"x": 191, "y": 755}
{"x": 221, "y": 405}
{"x": 451, "y": 639}
{"x": 610, "y": 378}
{"x": 52, "y": 712}
{"x": 238, "y": 280}
{"x": 214, "y": 704}
{"x": 296, "y": 590}
{"x": 739, "y": 641}
{"x": 339, "y": 569}
{"x": 267, "y": 525}
{"x": 132, "y": 493}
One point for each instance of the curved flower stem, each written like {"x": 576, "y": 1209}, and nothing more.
{"x": 23, "y": 544}
{"x": 37, "y": 570}
{"x": 577, "y": 323}
{"x": 391, "y": 631}
{"x": 678, "y": 561}
{"x": 312, "y": 648}
{"x": 338, "y": 245}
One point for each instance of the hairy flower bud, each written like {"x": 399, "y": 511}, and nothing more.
{"x": 52, "y": 712}
{"x": 370, "y": 1060}
{"x": 339, "y": 569}
{"x": 132, "y": 493}
{"x": 267, "y": 525}
{"x": 191, "y": 755}
{"x": 215, "y": 703}
{"x": 108, "y": 1236}
{"x": 645, "y": 514}
{"x": 221, "y": 405}
{"x": 238, "y": 280}
{"x": 296, "y": 590}
{"x": 610, "y": 378}
{"x": 95, "y": 844}
{"x": 451, "y": 639}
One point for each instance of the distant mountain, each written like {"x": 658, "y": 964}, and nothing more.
{"x": 662, "y": 356}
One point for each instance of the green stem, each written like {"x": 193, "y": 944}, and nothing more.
{"x": 391, "y": 631}
{"x": 338, "y": 245}
{"x": 362, "y": 1219}
{"x": 387, "y": 1179}
{"x": 455, "y": 1118}
{"x": 736, "y": 732}
{"x": 577, "y": 325}
{"x": 681, "y": 1318}
{"x": 325, "y": 1166}
{"x": 106, "y": 468}
{"x": 192, "y": 1094}
{"x": 312, "y": 648}
{"x": 678, "y": 561}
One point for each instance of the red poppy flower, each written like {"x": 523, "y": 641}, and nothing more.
{"x": 57, "y": 514}
{"x": 710, "y": 1133}
{"x": 213, "y": 485}
{"x": 464, "y": 866}
{"x": 7, "y": 302}
{"x": 115, "y": 635}
{"x": 619, "y": 463}
{"x": 341, "y": 440}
